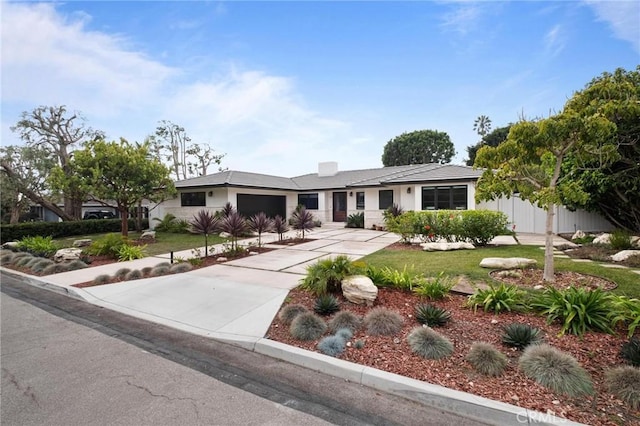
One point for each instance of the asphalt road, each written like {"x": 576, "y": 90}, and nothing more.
{"x": 67, "y": 362}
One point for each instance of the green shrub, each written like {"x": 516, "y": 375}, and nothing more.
{"x": 625, "y": 310}
{"x": 56, "y": 268}
{"x": 159, "y": 270}
{"x": 136, "y": 274}
{"x": 307, "y": 326}
{"x": 435, "y": 288}
{"x": 326, "y": 304}
{"x": 577, "y": 309}
{"x": 289, "y": 312}
{"x": 331, "y": 345}
{"x": 345, "y": 333}
{"x": 486, "y": 359}
{"x": 555, "y": 370}
{"x": 109, "y": 245}
{"x": 63, "y": 229}
{"x": 180, "y": 268}
{"x": 345, "y": 319}
{"x": 403, "y": 280}
{"x": 624, "y": 383}
{"x": 38, "y": 245}
{"x": 41, "y": 265}
{"x": 376, "y": 275}
{"x": 432, "y": 315}
{"x": 122, "y": 273}
{"x": 620, "y": 240}
{"x": 101, "y": 279}
{"x": 498, "y": 298}
{"x": 518, "y": 335}
{"x": 630, "y": 351}
{"x": 429, "y": 344}
{"x": 74, "y": 265}
{"x": 383, "y": 322}
{"x": 355, "y": 220}
{"x": 405, "y": 225}
{"x": 325, "y": 276}
{"x": 170, "y": 223}
{"x": 127, "y": 252}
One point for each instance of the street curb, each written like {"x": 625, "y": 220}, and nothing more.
{"x": 462, "y": 403}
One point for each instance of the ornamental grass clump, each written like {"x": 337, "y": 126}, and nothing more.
{"x": 41, "y": 265}
{"x": 7, "y": 258}
{"x": 159, "y": 270}
{"x": 56, "y": 268}
{"x": 326, "y": 304}
{"x": 383, "y": 322}
{"x": 121, "y": 273}
{"x": 74, "y": 265}
{"x": 624, "y": 383}
{"x": 345, "y": 319}
{"x": 519, "y": 335}
{"x": 345, "y": 333}
{"x": 289, "y": 312}
{"x": 432, "y": 315}
{"x": 136, "y": 274}
{"x": 555, "y": 370}
{"x": 180, "y": 268}
{"x": 22, "y": 261}
{"x": 429, "y": 344}
{"x": 435, "y": 288}
{"x": 307, "y": 326}
{"x": 630, "y": 351}
{"x": 332, "y": 345}
{"x": 146, "y": 270}
{"x": 486, "y": 359}
{"x": 101, "y": 279}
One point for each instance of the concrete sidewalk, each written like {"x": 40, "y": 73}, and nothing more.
{"x": 236, "y": 302}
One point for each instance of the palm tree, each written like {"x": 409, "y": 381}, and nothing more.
{"x": 482, "y": 125}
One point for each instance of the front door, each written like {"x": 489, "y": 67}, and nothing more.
{"x": 339, "y": 206}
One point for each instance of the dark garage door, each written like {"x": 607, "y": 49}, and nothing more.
{"x": 272, "y": 205}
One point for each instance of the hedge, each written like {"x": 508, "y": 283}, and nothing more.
{"x": 63, "y": 229}
{"x": 475, "y": 226}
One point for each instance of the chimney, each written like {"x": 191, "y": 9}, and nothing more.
{"x": 328, "y": 168}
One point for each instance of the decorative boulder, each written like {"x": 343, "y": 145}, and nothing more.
{"x": 602, "y": 239}
{"x": 506, "y": 262}
{"x": 11, "y": 245}
{"x": 579, "y": 234}
{"x": 225, "y": 235}
{"x": 443, "y": 246}
{"x": 359, "y": 289}
{"x": 67, "y": 254}
{"x": 82, "y": 243}
{"x": 148, "y": 236}
{"x": 624, "y": 255}
{"x": 635, "y": 241}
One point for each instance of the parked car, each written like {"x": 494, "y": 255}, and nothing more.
{"x": 99, "y": 214}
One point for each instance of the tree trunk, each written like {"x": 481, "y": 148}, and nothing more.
{"x": 124, "y": 220}
{"x": 139, "y": 217}
{"x": 15, "y": 214}
{"x": 549, "y": 272}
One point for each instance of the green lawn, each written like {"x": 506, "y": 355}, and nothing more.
{"x": 165, "y": 241}
{"x": 466, "y": 262}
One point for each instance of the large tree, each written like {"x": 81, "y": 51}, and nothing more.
{"x": 119, "y": 171}
{"x": 530, "y": 161}
{"x": 494, "y": 138}
{"x": 56, "y": 132}
{"x": 418, "y": 147}
{"x": 614, "y": 190}
{"x": 171, "y": 143}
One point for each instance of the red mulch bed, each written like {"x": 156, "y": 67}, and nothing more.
{"x": 596, "y": 352}
{"x": 292, "y": 241}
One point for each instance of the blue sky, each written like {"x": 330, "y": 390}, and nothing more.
{"x": 280, "y": 86}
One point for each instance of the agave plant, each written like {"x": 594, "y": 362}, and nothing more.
{"x": 205, "y": 223}
{"x": 302, "y": 220}
{"x": 280, "y": 226}
{"x": 260, "y": 223}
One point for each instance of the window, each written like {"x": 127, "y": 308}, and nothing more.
{"x": 190, "y": 199}
{"x": 444, "y": 197}
{"x": 310, "y": 201}
{"x": 385, "y": 199}
{"x": 360, "y": 200}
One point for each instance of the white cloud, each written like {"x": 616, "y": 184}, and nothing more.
{"x": 555, "y": 41}
{"x": 258, "y": 119}
{"x": 463, "y": 18}
{"x": 622, "y": 16}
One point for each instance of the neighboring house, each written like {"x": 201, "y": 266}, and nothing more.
{"x": 331, "y": 195}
